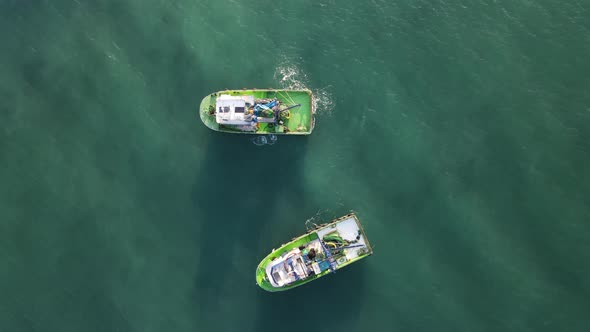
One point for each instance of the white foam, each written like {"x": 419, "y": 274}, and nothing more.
{"x": 289, "y": 76}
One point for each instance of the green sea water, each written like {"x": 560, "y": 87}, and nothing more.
{"x": 458, "y": 131}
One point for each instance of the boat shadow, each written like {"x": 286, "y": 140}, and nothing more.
{"x": 240, "y": 190}
{"x": 331, "y": 303}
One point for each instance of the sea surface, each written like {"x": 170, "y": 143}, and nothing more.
{"x": 458, "y": 131}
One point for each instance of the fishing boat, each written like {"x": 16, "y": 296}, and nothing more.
{"x": 259, "y": 111}
{"x": 322, "y": 250}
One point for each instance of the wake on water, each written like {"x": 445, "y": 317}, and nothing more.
{"x": 269, "y": 139}
{"x": 289, "y": 76}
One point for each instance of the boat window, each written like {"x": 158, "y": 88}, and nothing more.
{"x": 239, "y": 109}
{"x": 276, "y": 276}
{"x": 225, "y": 109}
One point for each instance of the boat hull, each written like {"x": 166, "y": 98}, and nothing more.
{"x": 301, "y": 120}
{"x": 350, "y": 221}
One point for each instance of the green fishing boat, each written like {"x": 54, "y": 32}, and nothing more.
{"x": 322, "y": 250}
{"x": 259, "y": 111}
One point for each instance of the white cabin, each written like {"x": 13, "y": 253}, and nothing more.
{"x": 232, "y": 110}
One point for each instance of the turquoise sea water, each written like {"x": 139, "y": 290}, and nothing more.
{"x": 459, "y": 131}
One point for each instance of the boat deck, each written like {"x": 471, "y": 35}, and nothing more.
{"x": 348, "y": 229}
{"x": 301, "y": 119}
{"x": 319, "y": 252}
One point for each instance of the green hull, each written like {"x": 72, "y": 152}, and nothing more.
{"x": 300, "y": 122}
{"x": 262, "y": 273}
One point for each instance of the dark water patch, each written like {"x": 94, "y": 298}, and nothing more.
{"x": 233, "y": 213}
{"x": 335, "y": 300}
